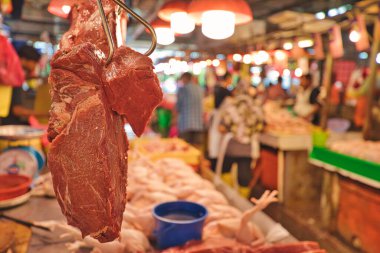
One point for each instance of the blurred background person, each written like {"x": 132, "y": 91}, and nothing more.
{"x": 241, "y": 120}
{"x": 307, "y": 105}
{"x": 190, "y": 111}
{"x": 276, "y": 92}
{"x": 221, "y": 92}
{"x": 18, "y": 113}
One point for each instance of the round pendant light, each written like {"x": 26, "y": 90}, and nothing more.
{"x": 242, "y": 11}
{"x": 175, "y": 12}
{"x": 60, "y": 8}
{"x": 218, "y": 25}
{"x": 165, "y": 35}
{"x": 219, "y": 18}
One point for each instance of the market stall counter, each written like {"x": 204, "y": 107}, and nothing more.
{"x": 285, "y": 144}
{"x": 284, "y": 164}
{"x": 42, "y": 209}
{"x": 351, "y": 190}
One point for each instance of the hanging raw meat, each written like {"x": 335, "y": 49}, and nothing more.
{"x": 90, "y": 104}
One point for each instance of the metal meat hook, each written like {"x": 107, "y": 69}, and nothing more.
{"x": 107, "y": 30}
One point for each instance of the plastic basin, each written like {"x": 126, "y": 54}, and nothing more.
{"x": 338, "y": 125}
{"x": 13, "y": 186}
{"x": 178, "y": 222}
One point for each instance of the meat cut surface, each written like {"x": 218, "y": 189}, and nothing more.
{"x": 88, "y": 157}
{"x": 128, "y": 83}
{"x": 86, "y": 25}
{"x": 90, "y": 104}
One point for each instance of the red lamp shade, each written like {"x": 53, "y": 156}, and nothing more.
{"x": 171, "y": 7}
{"x": 165, "y": 36}
{"x": 61, "y": 8}
{"x": 159, "y": 23}
{"x": 239, "y": 7}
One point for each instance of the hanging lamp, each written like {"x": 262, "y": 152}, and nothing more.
{"x": 165, "y": 35}
{"x": 175, "y": 12}
{"x": 60, "y": 8}
{"x": 219, "y": 18}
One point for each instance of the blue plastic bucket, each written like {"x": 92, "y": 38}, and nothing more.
{"x": 178, "y": 222}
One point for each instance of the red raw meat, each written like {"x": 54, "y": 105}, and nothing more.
{"x": 86, "y": 25}
{"x": 128, "y": 84}
{"x": 231, "y": 246}
{"x": 88, "y": 155}
{"x": 299, "y": 247}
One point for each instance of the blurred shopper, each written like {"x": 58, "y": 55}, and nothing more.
{"x": 18, "y": 114}
{"x": 241, "y": 121}
{"x": 190, "y": 112}
{"x": 307, "y": 105}
{"x": 276, "y": 92}
{"x": 221, "y": 92}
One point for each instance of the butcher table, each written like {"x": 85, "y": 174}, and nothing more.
{"x": 43, "y": 209}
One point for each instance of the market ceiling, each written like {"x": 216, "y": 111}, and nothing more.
{"x": 35, "y": 18}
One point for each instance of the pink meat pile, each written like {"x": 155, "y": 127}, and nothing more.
{"x": 227, "y": 229}
{"x": 281, "y": 121}
{"x": 169, "y": 145}
{"x": 91, "y": 102}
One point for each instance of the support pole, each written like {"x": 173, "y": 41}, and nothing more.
{"x": 327, "y": 76}
{"x": 371, "y": 130}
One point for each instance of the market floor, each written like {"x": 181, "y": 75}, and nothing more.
{"x": 302, "y": 223}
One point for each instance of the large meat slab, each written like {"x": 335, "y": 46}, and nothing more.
{"x": 90, "y": 104}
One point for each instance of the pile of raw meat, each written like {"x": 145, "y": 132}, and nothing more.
{"x": 91, "y": 102}
{"x": 164, "y": 146}
{"x": 282, "y": 122}
{"x": 366, "y": 150}
{"x": 227, "y": 229}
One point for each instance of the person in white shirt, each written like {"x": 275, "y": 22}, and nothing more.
{"x": 307, "y": 105}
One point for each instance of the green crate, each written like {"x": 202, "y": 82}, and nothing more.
{"x": 360, "y": 167}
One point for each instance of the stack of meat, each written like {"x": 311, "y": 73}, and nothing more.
{"x": 282, "y": 122}
{"x": 226, "y": 229}
{"x": 91, "y": 101}
{"x": 366, "y": 150}
{"x": 165, "y": 146}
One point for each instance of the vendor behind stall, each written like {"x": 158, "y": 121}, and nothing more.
{"x": 18, "y": 114}
{"x": 307, "y": 105}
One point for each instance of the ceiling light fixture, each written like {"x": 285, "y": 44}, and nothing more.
{"x": 333, "y": 12}
{"x": 165, "y": 36}
{"x": 60, "y": 8}
{"x": 176, "y": 13}
{"x": 288, "y": 46}
{"x": 216, "y": 63}
{"x": 247, "y": 59}
{"x": 320, "y": 15}
{"x": 219, "y": 18}
{"x": 355, "y": 33}
{"x": 280, "y": 55}
{"x": 298, "y": 72}
{"x": 237, "y": 57}
{"x": 305, "y": 43}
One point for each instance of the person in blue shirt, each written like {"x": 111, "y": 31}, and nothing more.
{"x": 190, "y": 111}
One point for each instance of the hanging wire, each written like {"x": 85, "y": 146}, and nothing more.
{"x": 107, "y": 30}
